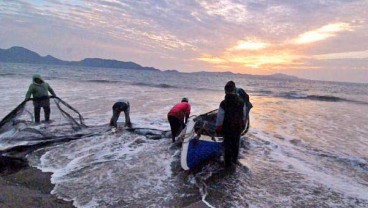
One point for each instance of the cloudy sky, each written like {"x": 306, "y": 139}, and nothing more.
{"x": 316, "y": 39}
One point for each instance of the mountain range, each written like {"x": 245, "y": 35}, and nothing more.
{"x": 18, "y": 54}
{"x": 22, "y": 55}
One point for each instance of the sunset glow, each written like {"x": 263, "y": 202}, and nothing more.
{"x": 249, "y": 45}
{"x": 257, "y": 37}
{"x": 254, "y": 61}
{"x": 268, "y": 55}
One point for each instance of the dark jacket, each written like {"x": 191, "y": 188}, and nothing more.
{"x": 245, "y": 97}
{"x": 231, "y": 115}
{"x": 121, "y": 105}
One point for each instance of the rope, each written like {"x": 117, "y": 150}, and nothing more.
{"x": 152, "y": 129}
{"x": 81, "y": 119}
{"x": 68, "y": 116}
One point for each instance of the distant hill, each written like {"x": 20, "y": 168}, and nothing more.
{"x": 23, "y": 55}
{"x": 282, "y": 76}
{"x": 277, "y": 76}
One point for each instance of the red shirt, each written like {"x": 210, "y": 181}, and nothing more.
{"x": 180, "y": 110}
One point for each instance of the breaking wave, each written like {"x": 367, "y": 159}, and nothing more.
{"x": 325, "y": 98}
{"x": 7, "y": 74}
{"x": 102, "y": 81}
{"x": 162, "y": 85}
{"x": 168, "y": 86}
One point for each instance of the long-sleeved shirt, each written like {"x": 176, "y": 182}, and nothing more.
{"x": 39, "y": 90}
{"x": 180, "y": 111}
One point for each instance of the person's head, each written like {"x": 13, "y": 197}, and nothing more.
{"x": 231, "y": 82}
{"x": 230, "y": 87}
{"x": 37, "y": 79}
{"x": 185, "y": 99}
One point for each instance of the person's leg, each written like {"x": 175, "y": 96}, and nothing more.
{"x": 227, "y": 151}
{"x": 171, "y": 122}
{"x": 178, "y": 126}
{"x": 127, "y": 117}
{"x": 114, "y": 118}
{"x": 37, "y": 111}
{"x": 175, "y": 126}
{"x": 47, "y": 111}
{"x": 235, "y": 149}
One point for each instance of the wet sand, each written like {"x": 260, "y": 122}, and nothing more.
{"x": 24, "y": 186}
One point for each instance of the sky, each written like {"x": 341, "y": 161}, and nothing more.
{"x": 313, "y": 39}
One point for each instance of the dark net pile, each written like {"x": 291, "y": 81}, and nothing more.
{"x": 205, "y": 124}
{"x": 19, "y": 129}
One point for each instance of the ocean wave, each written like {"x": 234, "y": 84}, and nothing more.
{"x": 260, "y": 92}
{"x": 168, "y": 86}
{"x": 263, "y": 91}
{"x": 326, "y": 98}
{"x": 294, "y": 95}
{"x": 161, "y": 85}
{"x": 355, "y": 162}
{"x": 102, "y": 81}
{"x": 335, "y": 99}
{"x": 7, "y": 74}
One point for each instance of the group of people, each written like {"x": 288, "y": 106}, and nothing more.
{"x": 231, "y": 120}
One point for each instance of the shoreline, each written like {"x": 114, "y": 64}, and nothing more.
{"x": 25, "y": 186}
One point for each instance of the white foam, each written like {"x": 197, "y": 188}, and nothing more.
{"x": 308, "y": 164}
{"x": 106, "y": 158}
{"x": 319, "y": 174}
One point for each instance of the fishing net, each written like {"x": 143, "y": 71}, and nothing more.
{"x": 151, "y": 133}
{"x": 18, "y": 128}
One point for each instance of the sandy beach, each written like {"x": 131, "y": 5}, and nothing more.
{"x": 24, "y": 186}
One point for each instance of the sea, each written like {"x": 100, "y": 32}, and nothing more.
{"x": 307, "y": 145}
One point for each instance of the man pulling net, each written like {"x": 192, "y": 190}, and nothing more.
{"x": 22, "y": 127}
{"x": 39, "y": 91}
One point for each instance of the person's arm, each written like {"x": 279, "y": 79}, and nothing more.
{"x": 51, "y": 90}
{"x": 128, "y": 108}
{"x": 127, "y": 115}
{"x": 220, "y": 119}
{"x": 245, "y": 117}
{"x": 187, "y": 113}
{"x": 29, "y": 92}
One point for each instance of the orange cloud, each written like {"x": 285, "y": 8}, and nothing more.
{"x": 253, "y": 55}
{"x": 212, "y": 60}
{"x": 249, "y": 45}
{"x": 257, "y": 61}
{"x": 258, "y": 54}
{"x": 322, "y": 33}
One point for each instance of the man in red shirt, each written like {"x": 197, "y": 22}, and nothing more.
{"x": 178, "y": 117}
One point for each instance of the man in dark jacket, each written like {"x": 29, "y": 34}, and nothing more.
{"x": 117, "y": 108}
{"x": 244, "y": 96}
{"x": 231, "y": 119}
{"x": 39, "y": 91}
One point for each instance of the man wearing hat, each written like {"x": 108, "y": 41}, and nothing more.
{"x": 39, "y": 90}
{"x": 230, "y": 121}
{"x": 178, "y": 117}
